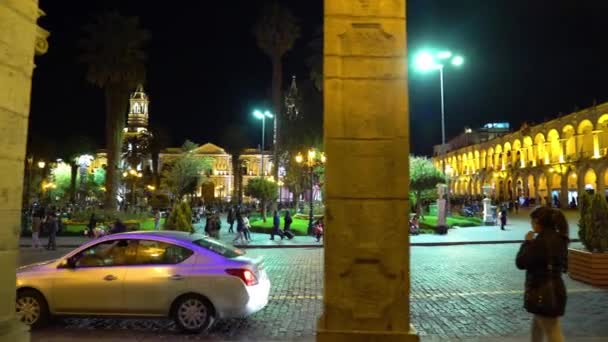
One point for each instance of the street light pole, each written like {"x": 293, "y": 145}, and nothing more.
{"x": 443, "y": 147}
{"x": 262, "y": 116}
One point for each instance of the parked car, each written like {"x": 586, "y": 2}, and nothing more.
{"x": 190, "y": 278}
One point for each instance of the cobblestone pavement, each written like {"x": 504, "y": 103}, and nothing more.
{"x": 464, "y": 293}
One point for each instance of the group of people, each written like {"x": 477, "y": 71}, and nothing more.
{"x": 213, "y": 225}
{"x": 47, "y": 221}
{"x": 243, "y": 228}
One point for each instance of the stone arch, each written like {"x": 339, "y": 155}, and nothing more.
{"x": 476, "y": 158}
{"x": 498, "y": 157}
{"x": 529, "y": 147}
{"x": 471, "y": 161}
{"x": 585, "y": 138}
{"x": 569, "y": 137}
{"x": 590, "y": 178}
{"x": 519, "y": 187}
{"x": 516, "y": 153}
{"x": 555, "y": 149}
{"x": 208, "y": 191}
{"x": 490, "y": 158}
{"x": 602, "y": 126}
{"x": 507, "y": 154}
{"x": 539, "y": 142}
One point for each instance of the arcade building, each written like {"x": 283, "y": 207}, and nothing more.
{"x": 551, "y": 162}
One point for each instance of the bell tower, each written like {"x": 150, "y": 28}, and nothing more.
{"x": 136, "y": 135}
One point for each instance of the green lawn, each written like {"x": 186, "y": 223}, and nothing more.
{"x": 78, "y": 229}
{"x": 460, "y": 221}
{"x": 298, "y": 226}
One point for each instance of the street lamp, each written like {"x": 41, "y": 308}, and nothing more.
{"x": 41, "y": 164}
{"x": 132, "y": 176}
{"x": 258, "y": 114}
{"x": 429, "y": 61}
{"x": 312, "y": 159}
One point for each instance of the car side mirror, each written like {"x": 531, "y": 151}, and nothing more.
{"x": 68, "y": 263}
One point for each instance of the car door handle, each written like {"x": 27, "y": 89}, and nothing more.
{"x": 176, "y": 277}
{"x": 109, "y": 277}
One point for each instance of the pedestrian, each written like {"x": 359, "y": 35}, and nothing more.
{"x": 36, "y": 227}
{"x": 517, "y": 205}
{"x": 91, "y": 226}
{"x": 230, "y": 219}
{"x": 156, "y": 219}
{"x": 247, "y": 228}
{"x": 288, "y": 221}
{"x": 503, "y": 218}
{"x": 118, "y": 227}
{"x": 276, "y": 226}
{"x": 544, "y": 256}
{"x": 216, "y": 225}
{"x": 318, "y": 229}
{"x": 240, "y": 228}
{"x": 52, "y": 227}
{"x": 414, "y": 225}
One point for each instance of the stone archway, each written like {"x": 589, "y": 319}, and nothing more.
{"x": 531, "y": 191}
{"x": 542, "y": 191}
{"x": 208, "y": 192}
{"x": 590, "y": 179}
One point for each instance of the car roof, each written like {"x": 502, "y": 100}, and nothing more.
{"x": 168, "y": 234}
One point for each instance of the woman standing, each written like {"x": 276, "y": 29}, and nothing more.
{"x": 544, "y": 256}
{"x": 37, "y": 221}
{"x": 240, "y": 228}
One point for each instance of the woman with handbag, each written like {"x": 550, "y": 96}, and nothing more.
{"x": 544, "y": 256}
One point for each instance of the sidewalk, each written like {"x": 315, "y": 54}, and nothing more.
{"x": 517, "y": 227}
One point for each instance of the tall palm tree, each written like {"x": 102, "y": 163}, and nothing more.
{"x": 276, "y": 31}
{"x": 234, "y": 140}
{"x": 112, "y": 51}
{"x": 160, "y": 140}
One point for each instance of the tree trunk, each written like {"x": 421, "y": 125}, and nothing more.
{"x": 73, "y": 175}
{"x": 263, "y": 204}
{"x": 236, "y": 170}
{"x": 277, "y": 84}
{"x": 155, "y": 156}
{"x": 116, "y": 96}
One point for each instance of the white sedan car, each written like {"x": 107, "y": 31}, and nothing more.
{"x": 188, "y": 277}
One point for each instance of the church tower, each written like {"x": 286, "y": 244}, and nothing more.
{"x": 137, "y": 137}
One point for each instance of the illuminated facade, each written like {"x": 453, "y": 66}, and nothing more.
{"x": 136, "y": 146}
{"x": 220, "y": 183}
{"x": 553, "y": 160}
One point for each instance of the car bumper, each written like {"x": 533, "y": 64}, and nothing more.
{"x": 258, "y": 299}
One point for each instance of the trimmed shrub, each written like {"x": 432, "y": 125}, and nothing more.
{"x": 180, "y": 218}
{"x": 593, "y": 224}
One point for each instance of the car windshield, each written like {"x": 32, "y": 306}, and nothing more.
{"x": 219, "y": 248}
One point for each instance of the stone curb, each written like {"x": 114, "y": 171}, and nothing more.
{"x": 420, "y": 244}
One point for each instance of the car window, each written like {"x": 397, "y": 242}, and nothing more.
{"x": 219, "y": 248}
{"x": 107, "y": 253}
{"x": 151, "y": 252}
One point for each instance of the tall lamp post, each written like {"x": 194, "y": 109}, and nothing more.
{"x": 429, "y": 61}
{"x": 133, "y": 176}
{"x": 312, "y": 159}
{"x": 258, "y": 114}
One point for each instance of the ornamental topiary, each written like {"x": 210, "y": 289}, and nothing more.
{"x": 180, "y": 218}
{"x": 593, "y": 224}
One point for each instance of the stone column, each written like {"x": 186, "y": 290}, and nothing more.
{"x": 366, "y": 295}
{"x": 20, "y": 37}
{"x": 563, "y": 193}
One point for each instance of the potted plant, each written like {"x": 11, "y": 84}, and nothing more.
{"x": 590, "y": 265}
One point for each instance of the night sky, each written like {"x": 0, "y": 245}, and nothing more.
{"x": 524, "y": 62}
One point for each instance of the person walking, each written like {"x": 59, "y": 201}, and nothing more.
{"x": 247, "y": 228}
{"x": 156, "y": 219}
{"x": 91, "y": 226}
{"x": 276, "y": 226}
{"x": 37, "y": 221}
{"x": 318, "y": 229}
{"x": 52, "y": 227}
{"x": 503, "y": 218}
{"x": 288, "y": 221}
{"x": 230, "y": 219}
{"x": 240, "y": 228}
{"x": 544, "y": 256}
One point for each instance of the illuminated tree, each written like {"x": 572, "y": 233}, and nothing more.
{"x": 183, "y": 175}
{"x": 424, "y": 176}
{"x": 112, "y": 51}
{"x": 263, "y": 190}
{"x": 276, "y": 31}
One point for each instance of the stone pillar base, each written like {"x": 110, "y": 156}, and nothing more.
{"x": 14, "y": 331}
{"x": 324, "y": 335}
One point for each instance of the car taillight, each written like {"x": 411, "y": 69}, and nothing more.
{"x": 246, "y": 275}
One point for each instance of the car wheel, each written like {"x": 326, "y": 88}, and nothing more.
{"x": 32, "y": 308}
{"x": 193, "y": 314}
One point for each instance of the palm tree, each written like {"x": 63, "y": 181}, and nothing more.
{"x": 72, "y": 149}
{"x": 112, "y": 51}
{"x": 235, "y": 141}
{"x": 276, "y": 31}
